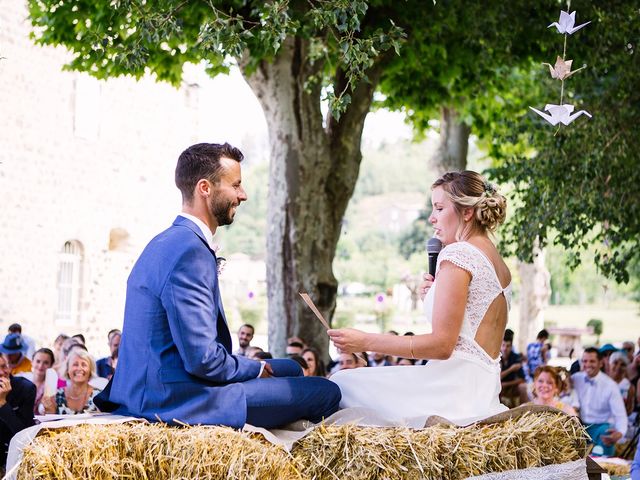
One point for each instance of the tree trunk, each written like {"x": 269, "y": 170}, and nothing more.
{"x": 535, "y": 290}
{"x": 312, "y": 175}
{"x": 454, "y": 143}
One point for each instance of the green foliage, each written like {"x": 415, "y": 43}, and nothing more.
{"x": 473, "y": 56}
{"x": 597, "y": 326}
{"x": 251, "y": 314}
{"x": 133, "y": 37}
{"x": 577, "y": 185}
{"x": 413, "y": 239}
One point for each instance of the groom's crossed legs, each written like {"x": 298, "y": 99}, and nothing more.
{"x": 289, "y": 396}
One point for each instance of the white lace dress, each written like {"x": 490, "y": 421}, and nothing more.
{"x": 464, "y": 388}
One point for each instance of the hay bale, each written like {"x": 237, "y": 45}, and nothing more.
{"x": 138, "y": 450}
{"x": 614, "y": 469}
{"x": 441, "y": 451}
{"x": 153, "y": 451}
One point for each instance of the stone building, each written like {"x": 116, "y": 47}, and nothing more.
{"x": 86, "y": 179}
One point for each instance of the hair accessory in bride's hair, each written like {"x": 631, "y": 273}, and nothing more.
{"x": 489, "y": 188}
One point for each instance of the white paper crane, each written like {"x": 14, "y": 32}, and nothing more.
{"x": 560, "y": 114}
{"x": 566, "y": 23}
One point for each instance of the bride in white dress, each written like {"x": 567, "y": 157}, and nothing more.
{"x": 467, "y": 305}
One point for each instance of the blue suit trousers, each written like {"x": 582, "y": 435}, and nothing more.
{"x": 289, "y": 396}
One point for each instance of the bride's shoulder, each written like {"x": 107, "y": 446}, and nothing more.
{"x": 461, "y": 254}
{"x": 462, "y": 250}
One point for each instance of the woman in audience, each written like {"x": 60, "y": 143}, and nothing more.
{"x": 302, "y": 362}
{"x": 315, "y": 363}
{"x": 547, "y": 385}
{"x": 77, "y": 396}
{"x": 57, "y": 351}
{"x": 66, "y": 347}
{"x": 41, "y": 368}
{"x": 618, "y": 363}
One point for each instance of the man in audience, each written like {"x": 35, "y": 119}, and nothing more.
{"x": 535, "y": 353}
{"x": 29, "y": 342}
{"x": 600, "y": 400}
{"x": 14, "y": 349}
{"x": 245, "y": 335}
{"x": 80, "y": 338}
{"x": 251, "y": 351}
{"x": 379, "y": 360}
{"x": 605, "y": 352}
{"x": 511, "y": 375}
{"x": 348, "y": 361}
{"x": 294, "y": 348}
{"x": 628, "y": 348}
{"x": 17, "y": 396}
{"x": 105, "y": 366}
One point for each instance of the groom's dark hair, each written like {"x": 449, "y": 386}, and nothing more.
{"x": 202, "y": 161}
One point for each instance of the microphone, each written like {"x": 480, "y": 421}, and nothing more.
{"x": 433, "y": 249}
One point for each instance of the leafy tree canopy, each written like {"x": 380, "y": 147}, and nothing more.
{"x": 578, "y": 185}
{"x": 135, "y": 37}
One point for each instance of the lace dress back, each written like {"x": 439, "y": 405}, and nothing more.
{"x": 463, "y": 388}
{"x": 483, "y": 289}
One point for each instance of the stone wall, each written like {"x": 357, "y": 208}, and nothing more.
{"x": 81, "y": 159}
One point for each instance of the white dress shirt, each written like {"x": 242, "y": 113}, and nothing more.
{"x": 600, "y": 400}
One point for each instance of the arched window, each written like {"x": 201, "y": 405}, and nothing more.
{"x": 69, "y": 283}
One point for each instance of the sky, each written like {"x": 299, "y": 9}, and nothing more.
{"x": 242, "y": 114}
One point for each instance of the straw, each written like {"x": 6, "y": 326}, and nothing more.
{"x": 154, "y": 451}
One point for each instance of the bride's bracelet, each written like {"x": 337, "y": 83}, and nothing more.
{"x": 411, "y": 347}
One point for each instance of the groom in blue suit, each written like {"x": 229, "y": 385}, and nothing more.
{"x": 175, "y": 361}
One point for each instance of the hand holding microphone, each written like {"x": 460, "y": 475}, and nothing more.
{"x": 433, "y": 249}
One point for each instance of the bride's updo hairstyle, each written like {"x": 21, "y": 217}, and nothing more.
{"x": 468, "y": 189}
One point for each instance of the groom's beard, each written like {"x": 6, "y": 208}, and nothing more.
{"x": 222, "y": 210}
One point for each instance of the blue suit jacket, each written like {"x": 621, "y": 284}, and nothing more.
{"x": 175, "y": 358}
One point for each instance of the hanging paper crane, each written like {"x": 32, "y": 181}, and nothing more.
{"x": 560, "y": 114}
{"x": 566, "y": 23}
{"x": 562, "y": 68}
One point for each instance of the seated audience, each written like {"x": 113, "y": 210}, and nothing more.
{"x": 17, "y": 396}
{"x": 511, "y": 374}
{"x": 251, "y": 351}
{"x": 618, "y": 362}
{"x": 347, "y": 361}
{"x": 315, "y": 363}
{"x": 406, "y": 361}
{"x": 29, "y": 342}
{"x": 262, "y": 356}
{"x": 57, "y": 350}
{"x": 547, "y": 385}
{"x": 628, "y": 348}
{"x": 302, "y": 362}
{"x": 297, "y": 339}
{"x": 67, "y": 345}
{"x": 105, "y": 366}
{"x": 43, "y": 376}
{"x": 294, "y": 348}
{"x": 600, "y": 401}
{"x": 14, "y": 349}
{"x": 77, "y": 396}
{"x": 245, "y": 335}
{"x": 606, "y": 351}
{"x": 380, "y": 360}
{"x": 536, "y": 353}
